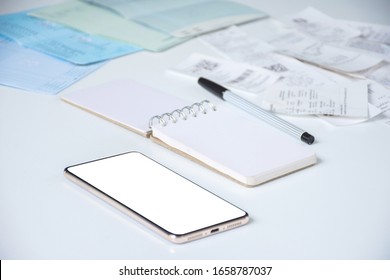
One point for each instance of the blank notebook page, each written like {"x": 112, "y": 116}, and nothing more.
{"x": 125, "y": 102}
{"x": 248, "y": 150}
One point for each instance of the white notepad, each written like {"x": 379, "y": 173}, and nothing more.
{"x": 126, "y": 103}
{"x": 243, "y": 148}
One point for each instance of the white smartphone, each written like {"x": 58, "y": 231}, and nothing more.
{"x": 157, "y": 197}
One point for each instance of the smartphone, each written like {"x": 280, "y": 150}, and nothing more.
{"x": 157, "y": 197}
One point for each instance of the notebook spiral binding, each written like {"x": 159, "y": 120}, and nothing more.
{"x": 183, "y": 113}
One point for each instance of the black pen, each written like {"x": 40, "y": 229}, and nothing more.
{"x": 258, "y": 112}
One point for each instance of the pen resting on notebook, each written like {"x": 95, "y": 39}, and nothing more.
{"x": 258, "y": 112}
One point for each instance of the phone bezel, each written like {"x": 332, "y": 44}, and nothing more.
{"x": 173, "y": 237}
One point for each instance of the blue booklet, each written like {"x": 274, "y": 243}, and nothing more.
{"x": 60, "y": 41}
{"x": 33, "y": 71}
{"x": 182, "y": 18}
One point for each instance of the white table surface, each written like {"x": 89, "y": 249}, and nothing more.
{"x": 337, "y": 209}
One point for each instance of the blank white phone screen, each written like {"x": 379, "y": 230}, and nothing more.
{"x": 155, "y": 192}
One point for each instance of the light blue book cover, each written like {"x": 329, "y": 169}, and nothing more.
{"x": 133, "y": 8}
{"x": 103, "y": 22}
{"x": 36, "y": 72}
{"x": 61, "y": 41}
{"x": 200, "y": 17}
{"x": 182, "y": 18}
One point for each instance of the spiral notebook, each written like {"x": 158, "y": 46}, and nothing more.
{"x": 241, "y": 147}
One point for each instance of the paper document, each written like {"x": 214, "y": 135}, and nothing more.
{"x": 182, "y": 18}
{"x": 345, "y": 121}
{"x": 317, "y": 52}
{"x": 200, "y": 17}
{"x": 328, "y": 29}
{"x": 371, "y": 32}
{"x": 231, "y": 74}
{"x": 30, "y": 70}
{"x": 235, "y": 44}
{"x": 379, "y": 96}
{"x": 380, "y": 74}
{"x": 370, "y": 47}
{"x": 336, "y": 100}
{"x": 373, "y": 111}
{"x": 352, "y": 35}
{"x": 60, "y": 41}
{"x": 378, "y": 104}
{"x": 94, "y": 20}
{"x": 317, "y": 24}
{"x": 133, "y": 8}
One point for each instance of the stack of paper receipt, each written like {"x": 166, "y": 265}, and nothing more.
{"x": 310, "y": 64}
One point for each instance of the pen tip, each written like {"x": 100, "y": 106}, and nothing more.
{"x": 307, "y": 138}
